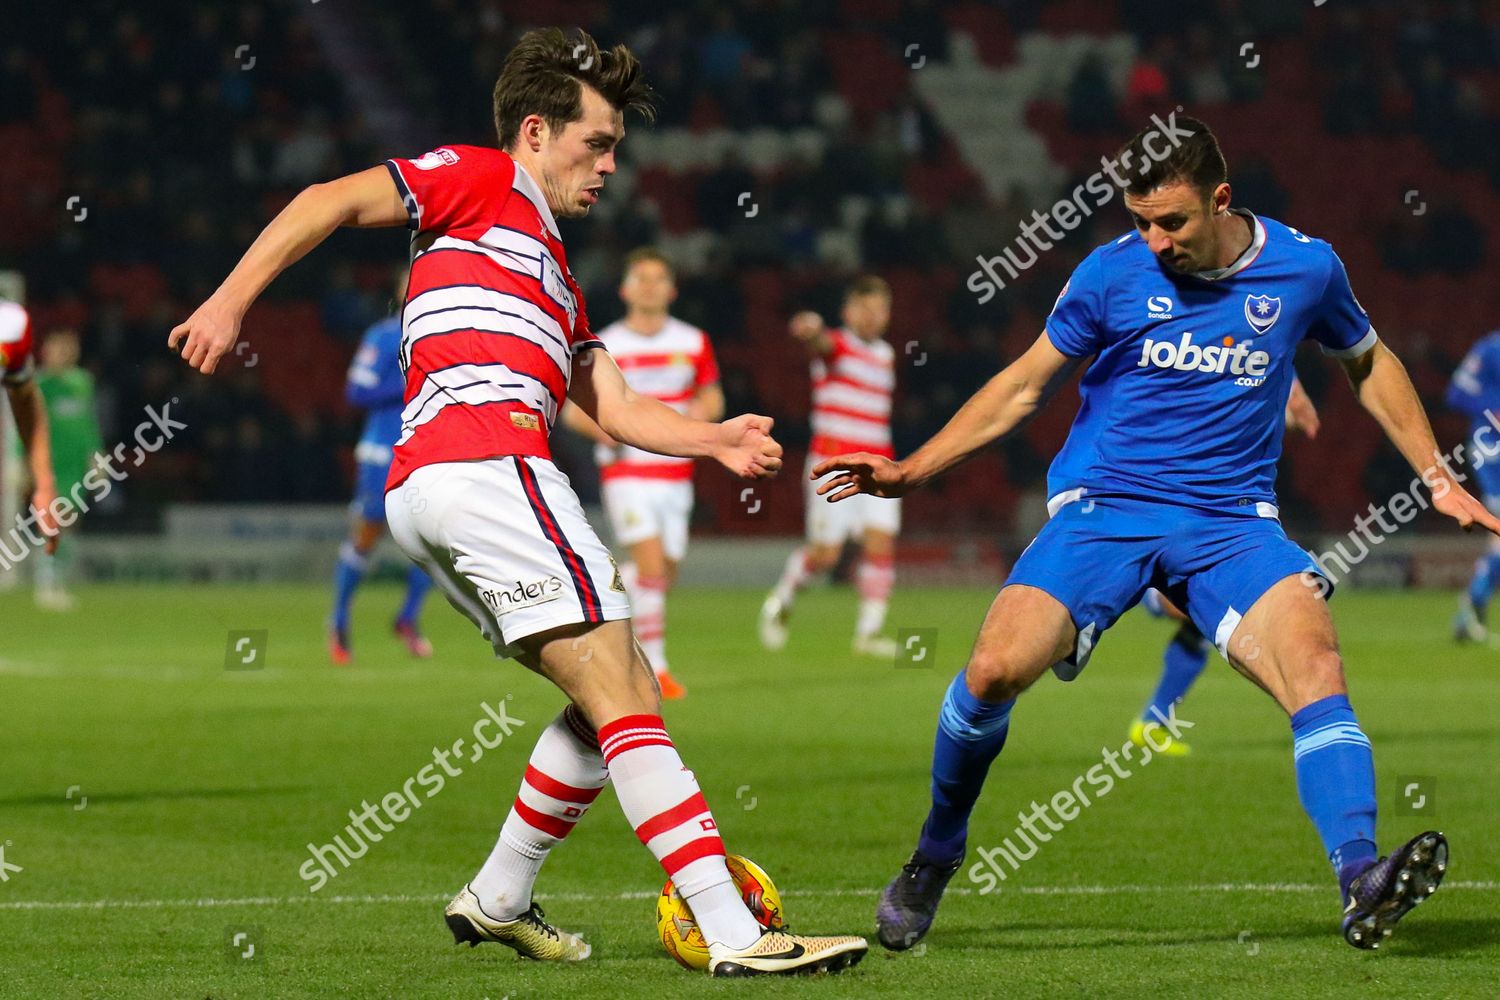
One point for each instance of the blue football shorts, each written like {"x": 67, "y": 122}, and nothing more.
{"x": 1099, "y": 554}
{"x": 369, "y": 490}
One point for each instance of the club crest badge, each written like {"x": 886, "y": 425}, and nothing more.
{"x": 1262, "y": 312}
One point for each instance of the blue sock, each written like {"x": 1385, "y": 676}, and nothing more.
{"x": 1486, "y": 571}
{"x": 418, "y": 583}
{"x": 1184, "y": 660}
{"x": 346, "y": 578}
{"x": 970, "y": 734}
{"x": 1336, "y": 781}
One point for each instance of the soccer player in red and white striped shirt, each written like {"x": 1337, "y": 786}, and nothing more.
{"x": 17, "y": 371}
{"x": 495, "y": 337}
{"x": 854, "y": 375}
{"x": 648, "y": 497}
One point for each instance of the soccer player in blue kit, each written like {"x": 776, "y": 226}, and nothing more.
{"x": 1167, "y": 480}
{"x": 375, "y": 383}
{"x": 1475, "y": 392}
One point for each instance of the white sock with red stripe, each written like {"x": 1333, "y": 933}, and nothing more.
{"x": 648, "y": 599}
{"x": 875, "y": 578}
{"x": 793, "y": 577}
{"x": 563, "y": 777}
{"x": 662, "y": 801}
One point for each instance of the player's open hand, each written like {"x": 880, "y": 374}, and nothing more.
{"x": 860, "y": 472}
{"x": 1302, "y": 416}
{"x": 806, "y": 326}
{"x": 1460, "y": 505}
{"x": 207, "y": 335}
{"x": 746, "y": 447}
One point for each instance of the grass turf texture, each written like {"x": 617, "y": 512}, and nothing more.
{"x": 206, "y": 785}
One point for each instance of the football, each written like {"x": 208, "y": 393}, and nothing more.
{"x": 679, "y": 932}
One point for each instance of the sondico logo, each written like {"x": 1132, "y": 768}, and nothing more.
{"x": 524, "y": 595}
{"x": 1186, "y": 356}
{"x": 1158, "y": 307}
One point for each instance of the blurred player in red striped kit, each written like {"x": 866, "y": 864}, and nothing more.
{"x": 495, "y": 337}
{"x": 649, "y": 497}
{"x": 18, "y": 376}
{"x": 853, "y": 376}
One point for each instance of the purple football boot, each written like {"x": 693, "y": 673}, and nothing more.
{"x": 909, "y": 903}
{"x": 1384, "y": 891}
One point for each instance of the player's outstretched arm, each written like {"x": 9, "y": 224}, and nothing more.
{"x": 366, "y": 199}
{"x": 1004, "y": 404}
{"x": 1385, "y": 390}
{"x": 579, "y": 422}
{"x": 807, "y": 328}
{"x": 30, "y": 411}
{"x": 742, "y": 445}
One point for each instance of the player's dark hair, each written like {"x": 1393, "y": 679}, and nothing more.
{"x": 544, "y": 75}
{"x": 1196, "y": 159}
{"x": 642, "y": 254}
{"x": 867, "y": 284}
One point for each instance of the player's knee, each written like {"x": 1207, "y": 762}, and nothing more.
{"x": 1321, "y": 674}
{"x": 998, "y": 674}
{"x": 822, "y": 557}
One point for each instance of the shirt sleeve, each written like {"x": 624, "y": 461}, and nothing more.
{"x": 584, "y": 337}
{"x": 452, "y": 187}
{"x": 16, "y": 364}
{"x": 705, "y": 365}
{"x": 1076, "y": 325}
{"x": 1340, "y": 324}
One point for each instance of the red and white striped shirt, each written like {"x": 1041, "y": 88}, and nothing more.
{"x": 670, "y": 365}
{"x": 851, "y": 398}
{"x": 493, "y": 318}
{"x": 16, "y": 365}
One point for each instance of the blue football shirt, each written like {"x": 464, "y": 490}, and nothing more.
{"x": 375, "y": 383}
{"x": 1475, "y": 387}
{"x": 1185, "y": 399}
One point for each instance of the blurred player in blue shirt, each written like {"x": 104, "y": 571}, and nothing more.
{"x": 1475, "y": 392}
{"x": 1186, "y": 328}
{"x": 375, "y": 384}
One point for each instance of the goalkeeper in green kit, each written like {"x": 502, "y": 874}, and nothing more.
{"x": 68, "y": 391}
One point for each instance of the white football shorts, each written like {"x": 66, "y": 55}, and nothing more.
{"x": 506, "y": 541}
{"x": 835, "y": 523}
{"x": 639, "y": 509}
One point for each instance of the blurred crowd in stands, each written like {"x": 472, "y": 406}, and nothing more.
{"x": 183, "y": 127}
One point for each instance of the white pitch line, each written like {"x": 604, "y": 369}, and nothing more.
{"x": 594, "y": 897}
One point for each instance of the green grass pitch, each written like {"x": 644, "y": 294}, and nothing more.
{"x": 195, "y": 790}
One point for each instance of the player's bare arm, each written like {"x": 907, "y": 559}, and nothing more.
{"x": 742, "y": 445}
{"x": 579, "y": 422}
{"x": 1385, "y": 390}
{"x": 31, "y": 427}
{"x": 808, "y": 329}
{"x": 707, "y": 403}
{"x": 1301, "y": 414}
{"x": 1005, "y": 403}
{"x": 367, "y": 199}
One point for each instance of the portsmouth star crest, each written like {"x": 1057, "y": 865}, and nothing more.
{"x": 1262, "y": 312}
